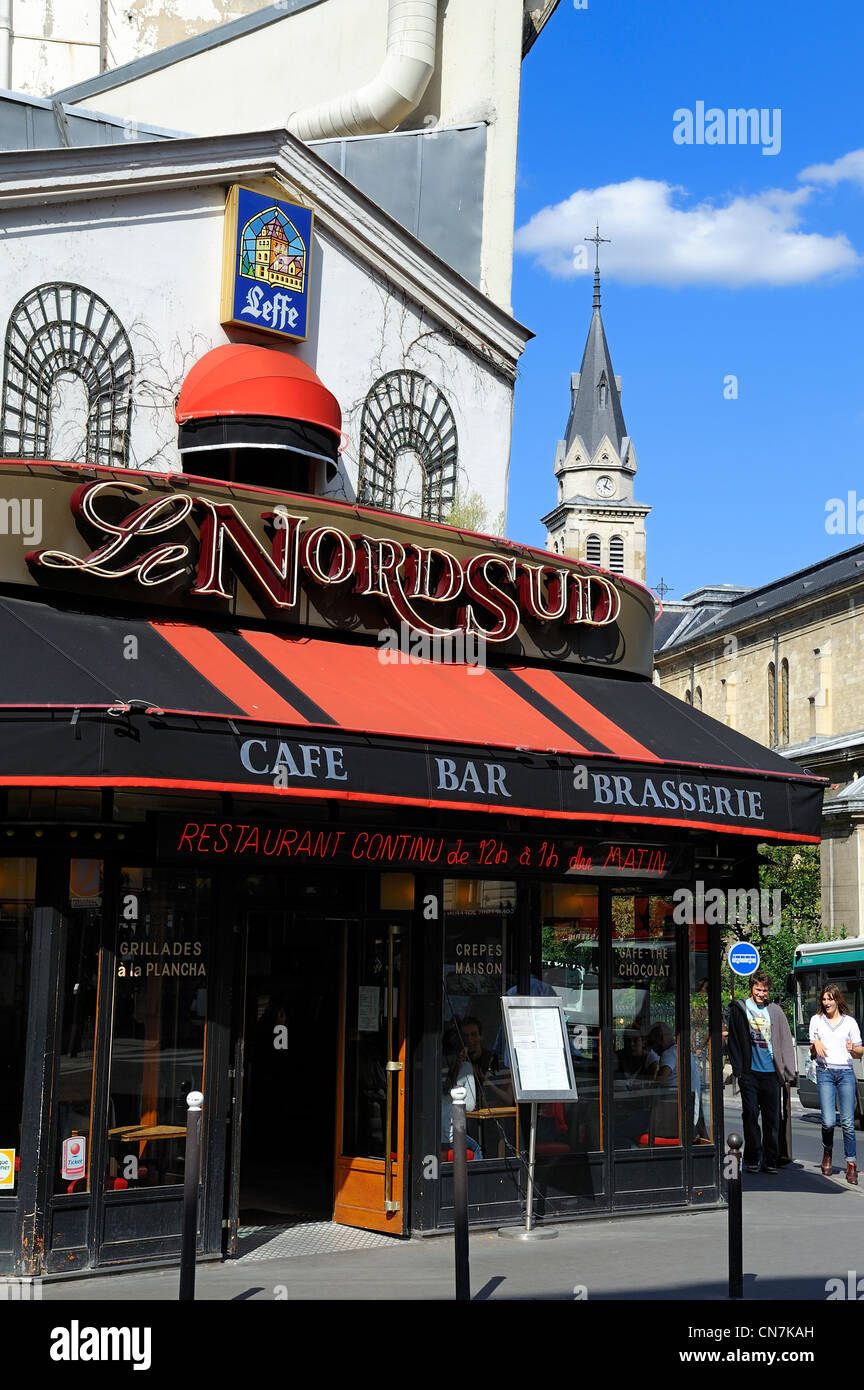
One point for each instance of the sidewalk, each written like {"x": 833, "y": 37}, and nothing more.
{"x": 800, "y": 1229}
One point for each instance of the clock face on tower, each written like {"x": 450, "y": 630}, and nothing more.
{"x": 604, "y": 486}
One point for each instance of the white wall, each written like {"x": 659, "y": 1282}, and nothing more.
{"x": 255, "y": 82}
{"x": 59, "y": 42}
{"x": 136, "y": 27}
{"x": 53, "y": 44}
{"x": 157, "y": 258}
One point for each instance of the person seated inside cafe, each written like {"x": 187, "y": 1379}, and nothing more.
{"x": 456, "y": 1071}
{"x": 634, "y": 1059}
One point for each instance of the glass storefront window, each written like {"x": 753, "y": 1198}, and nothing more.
{"x": 479, "y": 967}
{"x": 644, "y": 1023}
{"x": 700, "y": 1033}
{"x": 17, "y": 897}
{"x": 74, "y": 1085}
{"x": 157, "y": 1040}
{"x": 571, "y": 968}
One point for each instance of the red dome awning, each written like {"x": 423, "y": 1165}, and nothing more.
{"x": 240, "y": 379}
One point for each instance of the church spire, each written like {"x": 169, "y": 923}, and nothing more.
{"x": 597, "y": 239}
{"x": 596, "y": 407}
{"x": 596, "y": 518}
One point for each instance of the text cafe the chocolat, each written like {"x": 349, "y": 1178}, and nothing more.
{"x": 241, "y": 849}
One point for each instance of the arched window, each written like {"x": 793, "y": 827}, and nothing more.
{"x": 772, "y": 705}
{"x": 616, "y": 554}
{"x": 688, "y": 698}
{"x": 697, "y": 697}
{"x": 61, "y": 337}
{"x": 784, "y": 701}
{"x": 408, "y": 447}
{"x": 592, "y": 550}
{"x": 602, "y": 390}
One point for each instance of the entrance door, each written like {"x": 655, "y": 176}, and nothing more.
{"x": 285, "y": 1064}
{"x": 370, "y": 1124}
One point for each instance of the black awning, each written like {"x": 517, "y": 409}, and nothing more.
{"x": 96, "y": 700}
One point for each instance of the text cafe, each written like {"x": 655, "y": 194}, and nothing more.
{"x": 257, "y": 842}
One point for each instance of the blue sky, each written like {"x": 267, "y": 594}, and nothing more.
{"x": 724, "y": 261}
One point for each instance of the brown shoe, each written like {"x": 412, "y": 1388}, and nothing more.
{"x": 852, "y": 1173}
{"x": 827, "y": 1164}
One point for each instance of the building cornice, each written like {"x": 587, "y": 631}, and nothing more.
{"x": 612, "y": 512}
{"x": 768, "y": 623}
{"x": 30, "y": 178}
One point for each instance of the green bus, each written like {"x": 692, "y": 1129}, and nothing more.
{"x": 816, "y": 964}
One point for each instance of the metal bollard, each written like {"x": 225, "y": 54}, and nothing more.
{"x": 733, "y": 1194}
{"x": 460, "y": 1196}
{"x": 191, "y": 1178}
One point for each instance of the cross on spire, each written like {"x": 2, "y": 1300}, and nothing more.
{"x": 597, "y": 240}
{"x": 663, "y": 589}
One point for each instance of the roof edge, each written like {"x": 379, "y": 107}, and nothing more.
{"x": 31, "y": 178}
{"x": 186, "y": 48}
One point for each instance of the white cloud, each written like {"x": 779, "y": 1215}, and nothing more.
{"x": 848, "y": 166}
{"x": 657, "y": 238}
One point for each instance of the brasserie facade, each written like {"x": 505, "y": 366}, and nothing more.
{"x": 264, "y": 839}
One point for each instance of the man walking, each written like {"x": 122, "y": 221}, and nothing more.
{"x": 763, "y": 1059}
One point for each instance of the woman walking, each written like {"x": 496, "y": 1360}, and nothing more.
{"x": 835, "y": 1039}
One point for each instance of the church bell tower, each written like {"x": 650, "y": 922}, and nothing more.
{"x": 597, "y": 518}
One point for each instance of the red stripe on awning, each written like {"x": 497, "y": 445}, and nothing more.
{"x": 587, "y": 716}
{"x": 430, "y": 699}
{"x": 217, "y": 664}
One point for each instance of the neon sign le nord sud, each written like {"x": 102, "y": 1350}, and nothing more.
{"x": 198, "y": 544}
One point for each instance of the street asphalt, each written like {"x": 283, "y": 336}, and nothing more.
{"x": 801, "y": 1230}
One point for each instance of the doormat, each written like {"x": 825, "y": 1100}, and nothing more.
{"x": 306, "y": 1238}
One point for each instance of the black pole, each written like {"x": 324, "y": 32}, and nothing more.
{"x": 191, "y": 1176}
{"x": 733, "y": 1195}
{"x": 460, "y": 1196}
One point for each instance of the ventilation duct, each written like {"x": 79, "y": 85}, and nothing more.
{"x": 382, "y": 104}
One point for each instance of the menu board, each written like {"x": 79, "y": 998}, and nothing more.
{"x": 539, "y": 1047}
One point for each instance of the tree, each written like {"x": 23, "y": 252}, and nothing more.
{"x": 469, "y": 512}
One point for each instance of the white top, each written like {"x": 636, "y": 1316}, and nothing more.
{"x": 834, "y": 1039}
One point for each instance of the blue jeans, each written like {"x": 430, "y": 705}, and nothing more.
{"x": 836, "y": 1086}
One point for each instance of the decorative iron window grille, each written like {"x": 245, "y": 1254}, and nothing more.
{"x": 59, "y": 330}
{"x": 406, "y": 414}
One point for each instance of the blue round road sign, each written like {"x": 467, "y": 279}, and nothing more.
{"x": 743, "y": 958}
